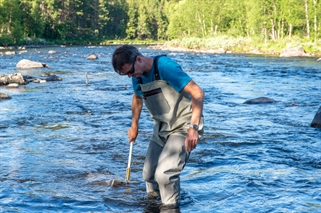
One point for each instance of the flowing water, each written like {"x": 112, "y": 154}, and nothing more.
{"x": 62, "y": 142}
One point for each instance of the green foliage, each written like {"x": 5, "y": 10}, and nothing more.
{"x": 131, "y": 30}
{"x": 85, "y": 21}
{"x": 217, "y": 42}
{"x": 6, "y": 39}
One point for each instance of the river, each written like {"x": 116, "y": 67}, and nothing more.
{"x": 62, "y": 142}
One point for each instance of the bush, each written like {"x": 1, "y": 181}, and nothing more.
{"x": 6, "y": 40}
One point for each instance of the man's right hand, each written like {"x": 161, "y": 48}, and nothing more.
{"x": 132, "y": 134}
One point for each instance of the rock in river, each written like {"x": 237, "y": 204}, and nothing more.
{"x": 260, "y": 100}
{"x": 27, "y": 64}
{"x": 294, "y": 52}
{"x": 4, "y": 96}
{"x": 317, "y": 119}
{"x": 92, "y": 57}
{"x": 12, "y": 78}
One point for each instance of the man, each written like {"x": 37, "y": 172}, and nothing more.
{"x": 175, "y": 103}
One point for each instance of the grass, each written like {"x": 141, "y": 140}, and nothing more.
{"x": 245, "y": 44}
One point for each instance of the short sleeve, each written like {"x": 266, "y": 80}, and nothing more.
{"x": 172, "y": 73}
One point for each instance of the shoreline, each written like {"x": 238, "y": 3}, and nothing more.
{"x": 222, "y": 51}
{"x": 161, "y": 46}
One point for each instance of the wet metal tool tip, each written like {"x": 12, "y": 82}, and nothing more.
{"x": 127, "y": 178}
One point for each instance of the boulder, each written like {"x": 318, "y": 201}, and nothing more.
{"x": 4, "y": 96}
{"x": 4, "y": 80}
{"x": 255, "y": 51}
{"x": 13, "y": 85}
{"x": 316, "y": 122}
{"x": 294, "y": 52}
{"x": 16, "y": 78}
{"x": 319, "y": 60}
{"x": 218, "y": 51}
{"x": 260, "y": 100}
{"x": 9, "y": 53}
{"x": 12, "y": 78}
{"x": 27, "y": 64}
{"x": 19, "y": 79}
{"x": 92, "y": 57}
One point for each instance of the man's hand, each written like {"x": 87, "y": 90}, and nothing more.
{"x": 191, "y": 139}
{"x": 132, "y": 134}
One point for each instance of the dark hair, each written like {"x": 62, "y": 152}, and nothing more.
{"x": 124, "y": 54}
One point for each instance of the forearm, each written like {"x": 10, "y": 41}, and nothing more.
{"x": 137, "y": 105}
{"x": 197, "y": 101}
{"x": 197, "y": 107}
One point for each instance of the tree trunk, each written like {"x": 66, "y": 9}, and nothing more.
{"x": 290, "y": 31}
{"x": 204, "y": 26}
{"x": 9, "y": 24}
{"x": 265, "y": 33}
{"x": 273, "y": 30}
{"x": 202, "y": 22}
{"x": 282, "y": 28}
{"x": 315, "y": 20}
{"x": 307, "y": 17}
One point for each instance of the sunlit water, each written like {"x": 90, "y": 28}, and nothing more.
{"x": 62, "y": 142}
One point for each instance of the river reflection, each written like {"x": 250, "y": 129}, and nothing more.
{"x": 62, "y": 142}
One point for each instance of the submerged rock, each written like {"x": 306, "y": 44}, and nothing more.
{"x": 51, "y": 77}
{"x": 4, "y": 96}
{"x": 316, "y": 122}
{"x": 260, "y": 100}
{"x": 27, "y": 64}
{"x": 52, "y": 52}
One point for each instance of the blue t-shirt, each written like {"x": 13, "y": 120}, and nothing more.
{"x": 169, "y": 71}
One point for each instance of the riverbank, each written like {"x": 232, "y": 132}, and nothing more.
{"x": 241, "y": 45}
{"x": 215, "y": 45}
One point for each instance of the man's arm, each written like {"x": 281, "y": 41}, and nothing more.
{"x": 197, "y": 107}
{"x": 137, "y": 105}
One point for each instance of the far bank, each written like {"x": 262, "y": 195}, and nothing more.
{"x": 216, "y": 45}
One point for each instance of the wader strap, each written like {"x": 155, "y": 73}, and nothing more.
{"x": 156, "y": 67}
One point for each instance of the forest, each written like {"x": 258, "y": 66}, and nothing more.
{"x": 77, "y": 21}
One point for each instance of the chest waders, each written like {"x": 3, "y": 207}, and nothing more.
{"x": 166, "y": 155}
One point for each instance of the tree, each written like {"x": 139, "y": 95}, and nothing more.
{"x": 131, "y": 30}
{"x": 103, "y": 17}
{"x": 32, "y": 18}
{"x": 306, "y": 7}
{"x": 293, "y": 16}
{"x": 83, "y": 20}
{"x": 316, "y": 8}
{"x": 10, "y": 29}
{"x": 116, "y": 25}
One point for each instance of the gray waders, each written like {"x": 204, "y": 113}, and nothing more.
{"x": 166, "y": 154}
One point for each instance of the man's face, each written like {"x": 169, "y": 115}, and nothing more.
{"x": 134, "y": 69}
